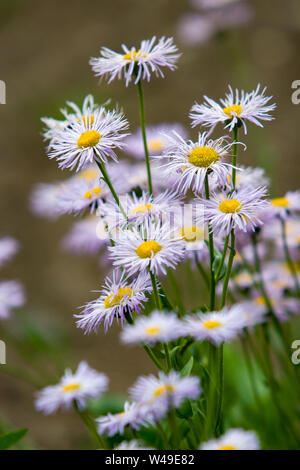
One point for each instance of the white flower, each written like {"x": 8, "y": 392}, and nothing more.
{"x": 233, "y": 439}
{"x": 44, "y": 200}
{"x": 156, "y": 139}
{"x": 90, "y": 139}
{"x": 285, "y": 206}
{"x": 157, "y": 327}
{"x": 136, "y": 63}
{"x": 216, "y": 327}
{"x": 119, "y": 297}
{"x": 83, "y": 384}
{"x": 11, "y": 296}
{"x": 248, "y": 176}
{"x": 237, "y": 210}
{"x": 152, "y": 247}
{"x": 8, "y": 248}
{"x": 253, "y": 312}
{"x": 86, "y": 236}
{"x": 189, "y": 162}
{"x": 236, "y": 108}
{"x": 132, "y": 416}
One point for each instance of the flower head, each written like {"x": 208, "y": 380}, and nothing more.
{"x": 132, "y": 416}
{"x": 233, "y": 439}
{"x": 8, "y": 248}
{"x": 88, "y": 140}
{"x": 119, "y": 297}
{"x": 86, "y": 236}
{"x": 237, "y": 107}
{"x": 152, "y": 247}
{"x": 136, "y": 63}
{"x": 285, "y": 206}
{"x": 11, "y": 296}
{"x": 83, "y": 384}
{"x": 44, "y": 200}
{"x": 189, "y": 162}
{"x": 216, "y": 327}
{"x": 157, "y": 327}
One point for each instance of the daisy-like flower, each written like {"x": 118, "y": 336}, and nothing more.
{"x": 216, "y": 327}
{"x": 132, "y": 416}
{"x": 253, "y": 313}
{"x": 151, "y": 246}
{"x": 119, "y": 297}
{"x": 156, "y": 139}
{"x": 83, "y": 384}
{"x": 11, "y": 296}
{"x": 135, "y": 63}
{"x": 249, "y": 176}
{"x": 86, "y": 236}
{"x": 139, "y": 209}
{"x": 238, "y": 210}
{"x": 80, "y": 194}
{"x": 157, "y": 327}
{"x": 193, "y": 234}
{"x": 8, "y": 248}
{"x": 88, "y": 140}
{"x": 282, "y": 306}
{"x": 190, "y": 161}
{"x": 75, "y": 112}
{"x": 132, "y": 445}
{"x": 285, "y": 206}
{"x": 171, "y": 389}
{"x": 44, "y": 200}
{"x": 237, "y": 108}
{"x": 233, "y": 439}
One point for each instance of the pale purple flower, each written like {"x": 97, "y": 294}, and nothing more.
{"x": 11, "y": 296}
{"x": 8, "y": 248}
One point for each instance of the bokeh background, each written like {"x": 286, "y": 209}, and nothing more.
{"x": 45, "y": 48}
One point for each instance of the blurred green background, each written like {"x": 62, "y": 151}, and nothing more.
{"x": 45, "y": 48}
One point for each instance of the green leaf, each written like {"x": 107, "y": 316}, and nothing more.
{"x": 173, "y": 358}
{"x": 217, "y": 262}
{"x": 187, "y": 369}
{"x": 9, "y": 439}
{"x": 185, "y": 410}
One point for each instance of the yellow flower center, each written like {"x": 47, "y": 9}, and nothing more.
{"x": 88, "y": 139}
{"x": 203, "y": 156}
{"x": 89, "y": 175}
{"x": 234, "y": 110}
{"x": 70, "y": 387}
{"x": 260, "y": 300}
{"x": 211, "y": 324}
{"x": 280, "y": 202}
{"x": 87, "y": 120}
{"x": 229, "y": 206}
{"x": 192, "y": 233}
{"x": 163, "y": 389}
{"x": 134, "y": 55}
{"x": 227, "y": 447}
{"x": 148, "y": 249}
{"x": 152, "y": 330}
{"x": 90, "y": 193}
{"x": 112, "y": 300}
{"x": 155, "y": 144}
{"x": 143, "y": 208}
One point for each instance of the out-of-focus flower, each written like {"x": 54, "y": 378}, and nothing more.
{"x": 285, "y": 206}
{"x": 216, "y": 327}
{"x": 238, "y": 210}
{"x": 253, "y": 313}
{"x": 132, "y": 445}
{"x": 189, "y": 162}
{"x": 135, "y": 63}
{"x": 157, "y": 327}
{"x": 237, "y": 107}
{"x": 249, "y": 176}
{"x": 8, "y": 248}
{"x": 156, "y": 139}
{"x": 83, "y": 384}
{"x": 11, "y": 296}
{"x": 88, "y": 140}
{"x": 282, "y": 306}
{"x": 151, "y": 246}
{"x": 233, "y": 439}
{"x": 119, "y": 297}
{"x": 44, "y": 200}
{"x": 132, "y": 416}
{"x": 86, "y": 236}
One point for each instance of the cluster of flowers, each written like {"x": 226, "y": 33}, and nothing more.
{"x": 192, "y": 205}
{"x": 11, "y": 292}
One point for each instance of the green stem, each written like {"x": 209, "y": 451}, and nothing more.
{"x": 89, "y": 422}
{"x": 176, "y": 291}
{"x": 109, "y": 184}
{"x": 202, "y": 271}
{"x": 288, "y": 257}
{"x": 229, "y": 268}
{"x": 166, "y": 349}
{"x": 222, "y": 258}
{"x": 211, "y": 253}
{"x": 153, "y": 357}
{"x": 155, "y": 290}
{"x": 143, "y": 127}
{"x": 234, "y": 155}
{"x": 174, "y": 428}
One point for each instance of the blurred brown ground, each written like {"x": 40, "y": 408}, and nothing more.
{"x": 45, "y": 47}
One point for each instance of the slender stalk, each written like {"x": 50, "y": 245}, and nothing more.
{"x": 174, "y": 428}
{"x": 211, "y": 254}
{"x": 153, "y": 357}
{"x": 229, "y": 268}
{"x": 222, "y": 258}
{"x": 176, "y": 290}
{"x": 289, "y": 258}
{"x": 89, "y": 422}
{"x": 110, "y": 185}
{"x": 155, "y": 290}
{"x": 143, "y": 127}
{"x": 234, "y": 155}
